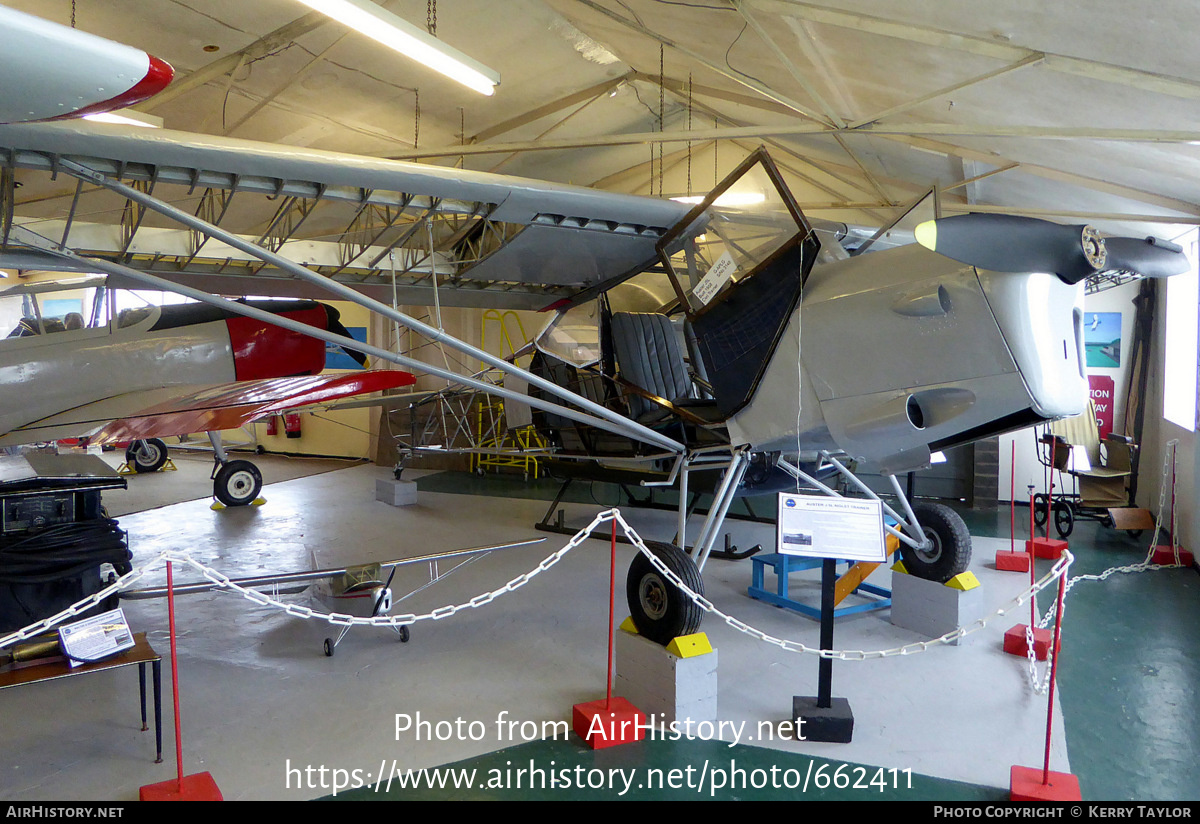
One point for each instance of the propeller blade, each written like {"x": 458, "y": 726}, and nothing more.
{"x": 1011, "y": 243}
{"x": 1148, "y": 257}
{"x": 383, "y": 593}
{"x": 334, "y": 325}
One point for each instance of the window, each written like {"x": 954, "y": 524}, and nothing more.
{"x": 1181, "y": 349}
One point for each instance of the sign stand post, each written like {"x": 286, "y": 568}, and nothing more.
{"x": 831, "y": 529}
{"x": 823, "y": 717}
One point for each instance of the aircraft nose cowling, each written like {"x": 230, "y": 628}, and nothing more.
{"x": 1041, "y": 318}
{"x": 263, "y": 350}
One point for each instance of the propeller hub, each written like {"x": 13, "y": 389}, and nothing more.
{"x": 1093, "y": 248}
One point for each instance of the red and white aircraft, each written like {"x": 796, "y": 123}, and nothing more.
{"x": 159, "y": 371}
{"x": 52, "y": 72}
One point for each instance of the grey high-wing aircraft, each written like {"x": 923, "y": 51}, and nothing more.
{"x": 809, "y": 358}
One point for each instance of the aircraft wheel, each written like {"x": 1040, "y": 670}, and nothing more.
{"x": 659, "y": 609}
{"x": 146, "y": 456}
{"x": 237, "y": 483}
{"x": 404, "y": 635}
{"x": 1064, "y": 518}
{"x": 1039, "y": 509}
{"x": 949, "y": 549}
{"x": 328, "y": 647}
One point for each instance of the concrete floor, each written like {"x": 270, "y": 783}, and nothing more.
{"x": 260, "y": 699}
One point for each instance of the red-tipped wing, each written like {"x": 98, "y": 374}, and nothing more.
{"x": 228, "y": 406}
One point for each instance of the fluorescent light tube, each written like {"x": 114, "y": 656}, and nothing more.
{"x": 127, "y": 117}
{"x": 396, "y": 33}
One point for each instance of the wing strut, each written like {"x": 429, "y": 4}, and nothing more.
{"x": 615, "y": 422}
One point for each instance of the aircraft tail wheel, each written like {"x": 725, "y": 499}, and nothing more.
{"x": 660, "y": 611}
{"x": 1064, "y": 518}
{"x": 146, "y": 456}
{"x": 949, "y": 550}
{"x": 237, "y": 483}
{"x": 403, "y": 635}
{"x": 329, "y": 647}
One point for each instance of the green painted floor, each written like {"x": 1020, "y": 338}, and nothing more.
{"x": 1127, "y": 684}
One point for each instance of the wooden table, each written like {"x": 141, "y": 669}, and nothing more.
{"x": 141, "y": 654}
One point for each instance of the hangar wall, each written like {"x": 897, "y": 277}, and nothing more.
{"x": 1159, "y": 432}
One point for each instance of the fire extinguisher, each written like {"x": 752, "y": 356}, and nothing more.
{"x": 273, "y": 425}
{"x": 291, "y": 425}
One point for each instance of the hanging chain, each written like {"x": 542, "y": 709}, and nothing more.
{"x": 431, "y": 16}
{"x": 662, "y": 114}
{"x": 416, "y": 118}
{"x": 1040, "y": 686}
{"x": 72, "y": 13}
{"x": 689, "y": 143}
{"x": 222, "y": 582}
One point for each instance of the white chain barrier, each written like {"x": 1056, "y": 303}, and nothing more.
{"x": 223, "y": 583}
{"x": 1041, "y": 685}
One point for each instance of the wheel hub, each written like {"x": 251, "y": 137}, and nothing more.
{"x": 931, "y": 549}
{"x": 241, "y": 483}
{"x": 652, "y": 594}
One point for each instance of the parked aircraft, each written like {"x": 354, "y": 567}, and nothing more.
{"x": 357, "y": 591}
{"x": 143, "y": 374}
{"x": 816, "y": 360}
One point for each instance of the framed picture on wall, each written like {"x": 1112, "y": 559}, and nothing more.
{"x": 1102, "y": 339}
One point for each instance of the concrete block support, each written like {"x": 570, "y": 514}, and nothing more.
{"x": 663, "y": 685}
{"x": 396, "y": 493}
{"x": 931, "y": 608}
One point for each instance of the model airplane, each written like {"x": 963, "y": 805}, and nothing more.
{"x": 356, "y": 591}
{"x": 53, "y": 72}
{"x": 143, "y": 374}
{"x": 814, "y": 360}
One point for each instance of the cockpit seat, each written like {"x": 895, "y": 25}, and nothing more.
{"x": 650, "y": 361}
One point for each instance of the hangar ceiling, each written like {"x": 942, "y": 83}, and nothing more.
{"x": 1075, "y": 112}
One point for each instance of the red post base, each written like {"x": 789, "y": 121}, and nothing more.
{"x": 1014, "y": 642}
{"x": 1025, "y": 784}
{"x": 198, "y": 787}
{"x": 602, "y": 724}
{"x": 1046, "y": 547}
{"x": 1007, "y": 561}
{"x": 1166, "y": 556}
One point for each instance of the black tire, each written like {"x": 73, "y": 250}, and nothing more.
{"x": 329, "y": 647}
{"x": 146, "y": 456}
{"x": 660, "y": 611}
{"x": 404, "y": 635}
{"x": 1064, "y": 518}
{"x": 949, "y": 552}
{"x": 237, "y": 483}
{"x": 1039, "y": 509}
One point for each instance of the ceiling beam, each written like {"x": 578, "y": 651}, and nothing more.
{"x": 554, "y": 106}
{"x": 266, "y": 44}
{"x": 1191, "y": 136}
{"x": 831, "y": 116}
{"x": 721, "y": 70}
{"x": 290, "y": 80}
{"x": 940, "y": 38}
{"x": 1094, "y": 184}
{"x": 679, "y": 87}
{"x": 1025, "y": 62}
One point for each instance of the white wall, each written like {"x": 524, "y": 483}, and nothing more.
{"x": 1159, "y": 433}
{"x": 1028, "y": 469}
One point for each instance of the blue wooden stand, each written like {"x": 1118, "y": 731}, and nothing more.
{"x": 784, "y": 565}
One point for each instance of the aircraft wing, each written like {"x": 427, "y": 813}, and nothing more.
{"x": 484, "y": 239}
{"x": 158, "y": 413}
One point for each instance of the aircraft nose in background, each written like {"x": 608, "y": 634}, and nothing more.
{"x": 53, "y": 72}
